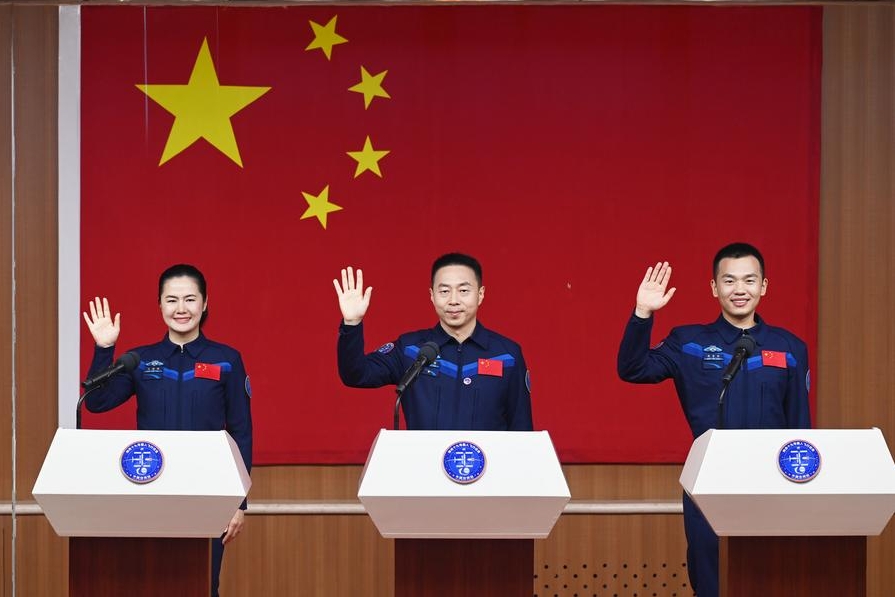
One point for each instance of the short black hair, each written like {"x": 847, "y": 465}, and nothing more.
{"x": 181, "y": 270}
{"x": 735, "y": 251}
{"x": 457, "y": 259}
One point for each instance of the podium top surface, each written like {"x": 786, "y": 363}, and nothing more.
{"x": 792, "y": 482}
{"x": 409, "y": 487}
{"x": 852, "y": 461}
{"x": 409, "y": 463}
{"x": 84, "y": 490}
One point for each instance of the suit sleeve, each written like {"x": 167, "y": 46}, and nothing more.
{"x": 796, "y": 406}
{"x": 519, "y": 398}
{"x": 114, "y": 392}
{"x": 637, "y": 362}
{"x": 239, "y": 413}
{"x": 359, "y": 370}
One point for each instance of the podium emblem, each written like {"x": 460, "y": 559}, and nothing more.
{"x": 799, "y": 461}
{"x": 142, "y": 462}
{"x": 464, "y": 462}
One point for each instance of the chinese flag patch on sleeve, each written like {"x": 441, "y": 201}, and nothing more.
{"x": 208, "y": 371}
{"x": 491, "y": 367}
{"x": 773, "y": 358}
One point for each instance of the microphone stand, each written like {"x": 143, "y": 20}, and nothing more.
{"x": 78, "y": 407}
{"x": 397, "y": 409}
{"x": 721, "y": 405}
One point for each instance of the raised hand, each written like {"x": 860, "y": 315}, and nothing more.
{"x": 353, "y": 299}
{"x": 654, "y": 293}
{"x": 102, "y": 327}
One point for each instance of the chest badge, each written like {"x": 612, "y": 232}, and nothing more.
{"x": 712, "y": 357}
{"x": 207, "y": 371}
{"x": 490, "y": 367}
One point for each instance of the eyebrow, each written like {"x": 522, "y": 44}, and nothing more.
{"x": 191, "y": 295}
{"x": 443, "y": 285}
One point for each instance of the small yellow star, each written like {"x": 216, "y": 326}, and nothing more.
{"x": 370, "y": 86}
{"x": 319, "y": 206}
{"x": 325, "y": 37}
{"x": 368, "y": 159}
{"x": 202, "y": 108}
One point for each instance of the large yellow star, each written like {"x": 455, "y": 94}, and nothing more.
{"x": 370, "y": 86}
{"x": 368, "y": 159}
{"x": 319, "y": 206}
{"x": 325, "y": 37}
{"x": 202, "y": 108}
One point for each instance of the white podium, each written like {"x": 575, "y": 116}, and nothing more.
{"x": 140, "y": 538}
{"x": 785, "y": 537}
{"x": 473, "y": 538}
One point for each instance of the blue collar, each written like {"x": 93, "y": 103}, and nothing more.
{"x": 192, "y": 348}
{"x": 730, "y": 332}
{"x": 479, "y": 336}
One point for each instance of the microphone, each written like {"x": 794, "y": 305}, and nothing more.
{"x": 126, "y": 362}
{"x": 427, "y": 355}
{"x": 742, "y": 350}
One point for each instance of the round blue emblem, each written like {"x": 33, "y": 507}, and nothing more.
{"x": 799, "y": 461}
{"x": 142, "y": 462}
{"x": 464, "y": 462}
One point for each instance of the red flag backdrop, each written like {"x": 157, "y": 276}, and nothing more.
{"x": 567, "y": 147}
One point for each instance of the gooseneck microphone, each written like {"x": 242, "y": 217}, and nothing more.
{"x": 427, "y": 355}
{"x": 743, "y": 349}
{"x": 125, "y": 363}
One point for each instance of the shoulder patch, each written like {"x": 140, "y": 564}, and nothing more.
{"x": 386, "y": 348}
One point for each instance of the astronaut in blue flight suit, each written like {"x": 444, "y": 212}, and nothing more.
{"x": 770, "y": 391}
{"x": 479, "y": 380}
{"x": 184, "y": 382}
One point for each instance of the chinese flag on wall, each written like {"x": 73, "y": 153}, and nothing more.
{"x": 567, "y": 147}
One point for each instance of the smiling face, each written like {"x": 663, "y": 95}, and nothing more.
{"x": 739, "y": 286}
{"x": 182, "y": 305}
{"x": 456, "y": 295}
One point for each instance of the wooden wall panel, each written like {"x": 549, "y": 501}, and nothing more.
{"x": 41, "y": 559}
{"x": 36, "y": 49}
{"x": 335, "y": 556}
{"x": 857, "y": 237}
{"x": 613, "y": 555}
{"x": 5, "y": 250}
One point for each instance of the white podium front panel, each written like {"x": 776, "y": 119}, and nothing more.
{"x": 734, "y": 478}
{"x": 84, "y": 493}
{"x": 407, "y": 493}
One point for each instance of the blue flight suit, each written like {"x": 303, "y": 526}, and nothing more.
{"x": 454, "y": 392}
{"x": 170, "y": 396}
{"x": 767, "y": 393}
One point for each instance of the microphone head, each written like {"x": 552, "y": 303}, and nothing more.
{"x": 129, "y": 360}
{"x": 747, "y": 343}
{"x": 429, "y": 351}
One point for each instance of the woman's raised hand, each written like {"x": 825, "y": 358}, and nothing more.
{"x": 102, "y": 327}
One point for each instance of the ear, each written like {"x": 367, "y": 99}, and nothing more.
{"x": 764, "y": 286}
{"x": 432, "y": 295}
{"x": 715, "y": 289}
{"x": 481, "y": 294}
{"x": 205, "y": 305}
